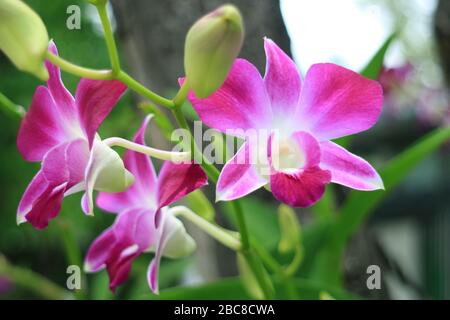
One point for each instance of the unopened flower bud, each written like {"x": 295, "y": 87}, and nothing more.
{"x": 23, "y": 37}
{"x": 212, "y": 44}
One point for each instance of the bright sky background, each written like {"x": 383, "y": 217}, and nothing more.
{"x": 347, "y": 32}
{"x": 344, "y": 32}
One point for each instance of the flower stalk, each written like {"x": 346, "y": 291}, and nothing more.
{"x": 176, "y": 157}
{"x": 218, "y": 233}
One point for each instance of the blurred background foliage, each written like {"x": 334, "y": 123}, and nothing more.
{"x": 407, "y": 236}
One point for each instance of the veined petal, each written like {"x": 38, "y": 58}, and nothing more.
{"x": 40, "y": 129}
{"x": 62, "y": 167}
{"x": 173, "y": 242}
{"x": 35, "y": 189}
{"x": 95, "y": 100}
{"x": 241, "y": 103}
{"x": 47, "y": 206}
{"x": 300, "y": 189}
{"x": 282, "y": 80}
{"x": 349, "y": 169}
{"x": 337, "y": 102}
{"x": 177, "y": 180}
{"x": 63, "y": 99}
{"x": 99, "y": 250}
{"x": 105, "y": 172}
{"x": 239, "y": 176}
{"x": 133, "y": 232}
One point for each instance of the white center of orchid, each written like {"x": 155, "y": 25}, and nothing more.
{"x": 286, "y": 155}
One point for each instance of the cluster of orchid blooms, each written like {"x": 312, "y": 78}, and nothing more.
{"x": 60, "y": 132}
{"x": 296, "y": 161}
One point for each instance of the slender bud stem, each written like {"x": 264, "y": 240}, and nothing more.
{"x": 156, "y": 153}
{"x": 218, "y": 233}
{"x": 79, "y": 71}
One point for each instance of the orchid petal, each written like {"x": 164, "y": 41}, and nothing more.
{"x": 349, "y": 169}
{"x": 300, "y": 189}
{"x": 337, "y": 102}
{"x": 238, "y": 176}
{"x": 63, "y": 99}
{"x": 40, "y": 129}
{"x": 99, "y": 250}
{"x": 177, "y": 180}
{"x": 95, "y": 100}
{"x": 35, "y": 189}
{"x": 133, "y": 232}
{"x": 241, "y": 103}
{"x": 47, "y": 206}
{"x": 282, "y": 80}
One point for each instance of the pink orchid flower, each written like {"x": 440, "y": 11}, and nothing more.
{"x": 302, "y": 117}
{"x": 60, "y": 132}
{"x": 145, "y": 222}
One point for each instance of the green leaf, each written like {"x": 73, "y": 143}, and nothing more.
{"x": 360, "y": 204}
{"x": 233, "y": 289}
{"x": 248, "y": 279}
{"x": 262, "y": 221}
{"x": 373, "y": 68}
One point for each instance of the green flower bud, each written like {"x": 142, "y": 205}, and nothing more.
{"x": 290, "y": 229}
{"x": 212, "y": 44}
{"x": 23, "y": 37}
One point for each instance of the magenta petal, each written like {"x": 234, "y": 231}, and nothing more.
{"x": 349, "y": 169}
{"x": 177, "y": 180}
{"x": 240, "y": 103}
{"x": 119, "y": 265}
{"x": 95, "y": 100}
{"x": 310, "y": 147}
{"x": 35, "y": 189}
{"x": 47, "y": 206}
{"x": 40, "y": 129}
{"x": 238, "y": 177}
{"x": 282, "y": 80}
{"x": 336, "y": 102}
{"x": 42, "y": 200}
{"x": 77, "y": 157}
{"x": 141, "y": 166}
{"x": 133, "y": 232}
{"x": 63, "y": 99}
{"x": 301, "y": 189}
{"x": 99, "y": 250}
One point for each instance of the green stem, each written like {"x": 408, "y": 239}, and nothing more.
{"x": 73, "y": 253}
{"x": 77, "y": 70}
{"x": 10, "y": 107}
{"x": 32, "y": 281}
{"x": 109, "y": 37}
{"x": 139, "y": 88}
{"x": 210, "y": 169}
{"x": 220, "y": 234}
{"x": 242, "y": 225}
{"x": 275, "y": 267}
